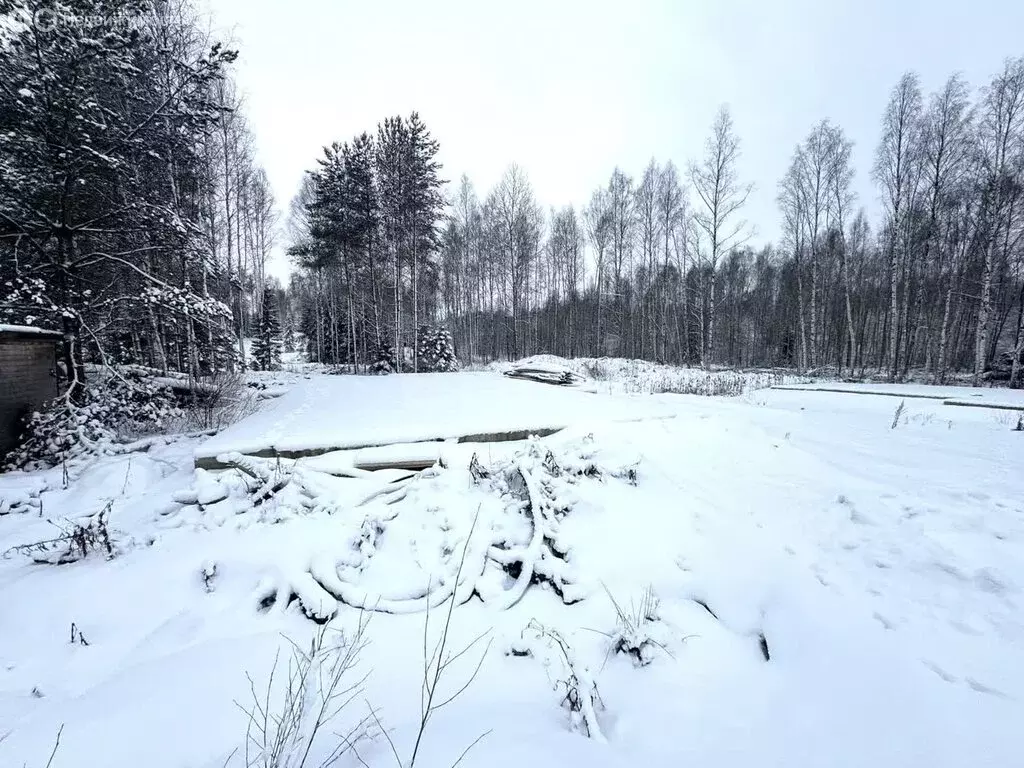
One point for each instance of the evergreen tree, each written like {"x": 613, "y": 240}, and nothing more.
{"x": 383, "y": 359}
{"x": 424, "y": 204}
{"x": 435, "y": 350}
{"x": 266, "y": 350}
{"x": 103, "y": 182}
{"x": 288, "y": 335}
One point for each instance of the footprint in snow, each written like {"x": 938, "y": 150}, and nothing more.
{"x": 855, "y": 515}
{"x": 989, "y": 580}
{"x": 884, "y": 621}
{"x": 967, "y": 629}
{"x": 982, "y": 688}
{"x": 940, "y": 671}
{"x": 950, "y": 569}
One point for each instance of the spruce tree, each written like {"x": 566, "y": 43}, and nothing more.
{"x": 266, "y": 349}
{"x": 383, "y": 359}
{"x": 436, "y": 350}
{"x": 424, "y": 203}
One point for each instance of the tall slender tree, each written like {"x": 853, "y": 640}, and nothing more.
{"x": 720, "y": 198}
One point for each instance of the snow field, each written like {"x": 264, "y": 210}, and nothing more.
{"x": 339, "y": 412}
{"x": 882, "y": 567}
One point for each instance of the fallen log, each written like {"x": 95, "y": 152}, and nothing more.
{"x": 419, "y": 455}
{"x": 561, "y": 378}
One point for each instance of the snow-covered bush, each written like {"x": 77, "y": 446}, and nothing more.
{"x": 528, "y": 543}
{"x": 220, "y": 399}
{"x": 124, "y": 404}
{"x": 898, "y": 414}
{"x": 634, "y": 629}
{"x": 383, "y": 359}
{"x": 320, "y": 685}
{"x": 572, "y": 679}
{"x": 77, "y": 540}
{"x": 435, "y": 350}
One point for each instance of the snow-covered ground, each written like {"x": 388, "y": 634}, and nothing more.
{"x": 879, "y": 569}
{"x": 353, "y": 411}
{"x": 988, "y": 397}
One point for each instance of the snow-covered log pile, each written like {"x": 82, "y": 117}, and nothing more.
{"x": 404, "y": 541}
{"x": 277, "y": 490}
{"x": 545, "y": 374}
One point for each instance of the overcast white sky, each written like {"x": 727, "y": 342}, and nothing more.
{"x": 569, "y": 90}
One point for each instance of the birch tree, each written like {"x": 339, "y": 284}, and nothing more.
{"x": 895, "y": 172}
{"x": 720, "y": 199}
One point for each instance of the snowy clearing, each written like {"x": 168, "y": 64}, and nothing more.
{"x": 338, "y": 412}
{"x": 991, "y": 397}
{"x": 783, "y": 578}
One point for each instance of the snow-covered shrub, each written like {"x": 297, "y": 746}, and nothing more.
{"x": 572, "y": 679}
{"x": 219, "y": 399}
{"x": 634, "y": 629}
{"x": 435, "y": 350}
{"x": 208, "y": 574}
{"x": 77, "y": 540}
{"x": 124, "y": 404}
{"x": 898, "y": 414}
{"x": 383, "y": 359}
{"x": 292, "y": 716}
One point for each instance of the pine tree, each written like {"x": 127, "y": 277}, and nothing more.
{"x": 423, "y": 205}
{"x": 266, "y": 350}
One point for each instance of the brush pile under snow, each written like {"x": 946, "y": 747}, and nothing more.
{"x": 408, "y": 542}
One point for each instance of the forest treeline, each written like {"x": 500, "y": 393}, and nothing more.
{"x": 134, "y": 216}
{"x": 660, "y": 266}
